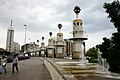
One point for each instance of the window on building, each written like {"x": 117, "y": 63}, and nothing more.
{"x": 78, "y": 24}
{"x": 73, "y": 33}
{"x": 74, "y": 24}
{"x": 59, "y": 35}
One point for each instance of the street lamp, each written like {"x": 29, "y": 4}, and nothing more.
{"x": 25, "y": 38}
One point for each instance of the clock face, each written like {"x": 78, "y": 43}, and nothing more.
{"x": 77, "y": 9}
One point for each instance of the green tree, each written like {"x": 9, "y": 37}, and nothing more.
{"x": 92, "y": 53}
{"x": 105, "y": 47}
{"x": 113, "y": 9}
{"x": 110, "y": 48}
{"x": 114, "y": 53}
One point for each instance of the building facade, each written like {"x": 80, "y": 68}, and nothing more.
{"x": 10, "y": 38}
{"x": 32, "y": 48}
{"x": 15, "y": 47}
{"x": 68, "y": 47}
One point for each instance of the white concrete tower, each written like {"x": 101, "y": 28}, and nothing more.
{"x": 37, "y": 48}
{"x": 10, "y": 38}
{"x": 60, "y": 44}
{"x": 51, "y": 48}
{"x": 78, "y": 37}
{"x": 42, "y": 49}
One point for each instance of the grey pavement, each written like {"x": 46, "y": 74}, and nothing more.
{"x": 30, "y": 69}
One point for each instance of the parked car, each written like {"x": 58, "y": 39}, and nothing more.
{"x": 26, "y": 55}
{"x": 21, "y": 57}
{"x": 9, "y": 58}
{"x": 0, "y": 56}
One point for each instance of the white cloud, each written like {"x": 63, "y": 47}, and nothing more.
{"x": 43, "y": 16}
{"x": 96, "y": 38}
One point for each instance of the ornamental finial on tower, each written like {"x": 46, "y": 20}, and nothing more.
{"x": 42, "y": 38}
{"x": 77, "y": 10}
{"x": 50, "y": 33}
{"x": 59, "y": 26}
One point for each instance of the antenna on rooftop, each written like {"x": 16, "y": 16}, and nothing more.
{"x": 11, "y": 23}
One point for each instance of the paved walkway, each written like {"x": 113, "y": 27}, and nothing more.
{"x": 30, "y": 69}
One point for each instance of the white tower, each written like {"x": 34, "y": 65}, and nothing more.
{"x": 51, "y": 48}
{"x": 78, "y": 38}
{"x": 37, "y": 48}
{"x": 60, "y": 44}
{"x": 10, "y": 38}
{"x": 42, "y": 47}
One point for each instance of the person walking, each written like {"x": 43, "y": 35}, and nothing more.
{"x": 1, "y": 69}
{"x": 4, "y": 62}
{"x": 15, "y": 63}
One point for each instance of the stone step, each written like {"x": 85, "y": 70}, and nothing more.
{"x": 78, "y": 71}
{"x": 79, "y": 67}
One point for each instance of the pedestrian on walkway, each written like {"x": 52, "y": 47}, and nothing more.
{"x": 4, "y": 62}
{"x": 15, "y": 63}
{"x": 1, "y": 66}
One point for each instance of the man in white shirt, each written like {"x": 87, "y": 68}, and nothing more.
{"x": 15, "y": 63}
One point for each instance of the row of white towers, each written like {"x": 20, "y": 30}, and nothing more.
{"x": 57, "y": 48}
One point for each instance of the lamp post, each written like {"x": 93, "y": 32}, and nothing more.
{"x": 25, "y": 38}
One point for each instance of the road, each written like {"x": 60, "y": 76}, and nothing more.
{"x": 30, "y": 69}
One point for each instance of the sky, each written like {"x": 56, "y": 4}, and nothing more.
{"x": 43, "y": 16}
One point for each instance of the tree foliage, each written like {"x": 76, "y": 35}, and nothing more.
{"x": 92, "y": 52}
{"x": 113, "y": 9}
{"x": 105, "y": 47}
{"x": 114, "y": 57}
{"x": 110, "y": 48}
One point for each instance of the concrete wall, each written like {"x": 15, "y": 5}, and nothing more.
{"x": 55, "y": 74}
{"x": 55, "y": 71}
